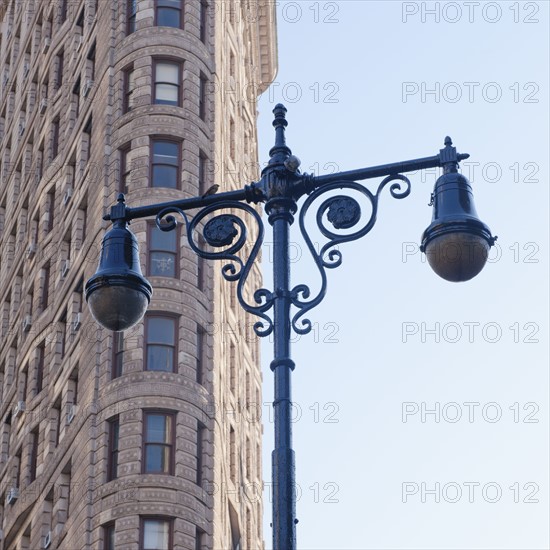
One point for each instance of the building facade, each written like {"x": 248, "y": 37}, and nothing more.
{"x": 147, "y": 439}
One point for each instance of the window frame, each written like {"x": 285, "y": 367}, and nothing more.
{"x": 76, "y": 96}
{"x": 203, "y": 169}
{"x": 87, "y": 129}
{"x": 200, "y": 362}
{"x": 45, "y": 294}
{"x": 204, "y": 21}
{"x": 151, "y": 226}
{"x": 62, "y": 321}
{"x": 80, "y": 18}
{"x": 203, "y": 96}
{"x": 172, "y": 445}
{"x": 160, "y": 315}
{"x": 201, "y": 433}
{"x": 90, "y": 56}
{"x": 57, "y": 407}
{"x": 131, "y": 18}
{"x": 59, "y": 68}
{"x": 201, "y": 266}
{"x": 33, "y": 455}
{"x": 200, "y": 535}
{"x": 118, "y": 355}
{"x": 63, "y": 12}
{"x": 108, "y": 529}
{"x": 55, "y": 137}
{"x": 179, "y": 10}
{"x": 232, "y": 139}
{"x": 179, "y": 85}
{"x": 152, "y": 164}
{"x": 113, "y": 444}
{"x": 39, "y": 367}
{"x": 125, "y": 168}
{"x": 126, "y": 91}
{"x": 167, "y": 519}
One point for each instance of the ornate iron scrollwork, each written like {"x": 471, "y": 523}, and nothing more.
{"x": 343, "y": 212}
{"x": 229, "y": 232}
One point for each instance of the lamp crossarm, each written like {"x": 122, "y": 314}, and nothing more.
{"x": 386, "y": 169}
{"x": 295, "y": 186}
{"x": 126, "y": 213}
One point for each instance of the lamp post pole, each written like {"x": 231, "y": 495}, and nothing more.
{"x": 118, "y": 294}
{"x": 280, "y": 209}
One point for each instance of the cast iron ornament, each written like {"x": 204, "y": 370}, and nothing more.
{"x": 220, "y": 231}
{"x": 343, "y": 212}
{"x": 228, "y": 230}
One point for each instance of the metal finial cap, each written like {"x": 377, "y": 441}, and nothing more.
{"x": 280, "y": 119}
{"x": 279, "y": 108}
{"x": 279, "y": 152}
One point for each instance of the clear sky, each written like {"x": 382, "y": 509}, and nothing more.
{"x": 367, "y": 83}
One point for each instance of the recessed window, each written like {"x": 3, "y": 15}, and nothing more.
{"x": 203, "y": 20}
{"x": 63, "y": 11}
{"x": 118, "y": 354}
{"x": 200, "y": 536}
{"x": 56, "y": 418}
{"x": 39, "y": 369}
{"x": 232, "y": 455}
{"x": 88, "y": 128}
{"x": 131, "y": 7}
{"x": 156, "y": 534}
{"x": 45, "y": 285}
{"x": 167, "y": 83}
{"x": 23, "y": 383}
{"x": 165, "y": 164}
{"x": 18, "y": 456}
{"x": 125, "y": 169}
{"x": 112, "y": 458}
{"x": 200, "y": 362}
{"x": 232, "y": 138}
{"x": 161, "y": 343}
{"x": 50, "y": 207}
{"x": 201, "y": 265}
{"x": 33, "y": 459}
{"x": 80, "y": 20}
{"x": 60, "y": 61}
{"x": 76, "y": 96}
{"x": 169, "y": 13}
{"x": 232, "y": 64}
{"x": 202, "y": 172}
{"x": 55, "y": 138}
{"x": 62, "y": 333}
{"x": 203, "y": 84}
{"x": 109, "y": 536}
{"x": 129, "y": 87}
{"x": 163, "y": 252}
{"x": 201, "y": 433}
{"x": 90, "y": 63}
{"x": 158, "y": 438}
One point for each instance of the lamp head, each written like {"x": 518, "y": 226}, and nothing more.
{"x": 118, "y": 294}
{"x": 457, "y": 242}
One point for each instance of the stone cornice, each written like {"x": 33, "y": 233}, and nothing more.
{"x": 267, "y": 35}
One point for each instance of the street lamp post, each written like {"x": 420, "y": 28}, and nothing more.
{"x": 456, "y": 244}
